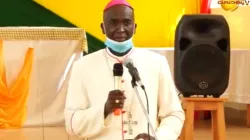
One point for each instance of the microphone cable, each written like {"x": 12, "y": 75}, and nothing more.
{"x": 146, "y": 96}
{"x": 122, "y": 125}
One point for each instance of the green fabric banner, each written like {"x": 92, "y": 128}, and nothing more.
{"x": 29, "y": 13}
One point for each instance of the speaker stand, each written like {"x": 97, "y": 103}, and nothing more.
{"x": 215, "y": 105}
{"x": 248, "y": 115}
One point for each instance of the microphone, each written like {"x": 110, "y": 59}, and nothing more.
{"x": 118, "y": 72}
{"x": 133, "y": 72}
{"x": 136, "y": 78}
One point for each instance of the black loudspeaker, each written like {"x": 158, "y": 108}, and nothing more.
{"x": 202, "y": 55}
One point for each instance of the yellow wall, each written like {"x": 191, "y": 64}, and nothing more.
{"x": 156, "y": 19}
{"x": 239, "y": 22}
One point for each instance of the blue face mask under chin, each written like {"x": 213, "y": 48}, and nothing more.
{"x": 119, "y": 47}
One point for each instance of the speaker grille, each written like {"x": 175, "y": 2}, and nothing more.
{"x": 203, "y": 66}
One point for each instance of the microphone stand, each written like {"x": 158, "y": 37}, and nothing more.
{"x": 146, "y": 114}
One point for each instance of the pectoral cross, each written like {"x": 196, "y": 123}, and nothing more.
{"x": 130, "y": 123}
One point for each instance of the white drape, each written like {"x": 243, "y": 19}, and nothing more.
{"x": 55, "y": 49}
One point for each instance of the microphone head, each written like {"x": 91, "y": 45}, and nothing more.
{"x": 128, "y": 62}
{"x": 118, "y": 69}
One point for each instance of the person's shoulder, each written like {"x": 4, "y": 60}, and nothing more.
{"x": 89, "y": 59}
{"x": 149, "y": 54}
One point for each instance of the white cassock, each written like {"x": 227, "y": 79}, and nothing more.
{"x": 92, "y": 79}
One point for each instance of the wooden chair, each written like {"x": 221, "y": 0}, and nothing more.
{"x": 215, "y": 105}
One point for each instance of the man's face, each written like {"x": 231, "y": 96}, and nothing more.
{"x": 119, "y": 23}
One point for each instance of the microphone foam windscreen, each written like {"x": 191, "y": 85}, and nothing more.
{"x": 128, "y": 61}
{"x": 118, "y": 69}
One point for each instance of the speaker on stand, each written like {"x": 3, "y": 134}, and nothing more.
{"x": 202, "y": 55}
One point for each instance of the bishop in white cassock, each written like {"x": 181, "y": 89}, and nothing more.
{"x": 92, "y": 80}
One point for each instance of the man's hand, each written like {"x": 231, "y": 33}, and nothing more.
{"x": 115, "y": 100}
{"x": 144, "y": 136}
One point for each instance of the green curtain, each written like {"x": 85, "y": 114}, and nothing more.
{"x": 28, "y": 13}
